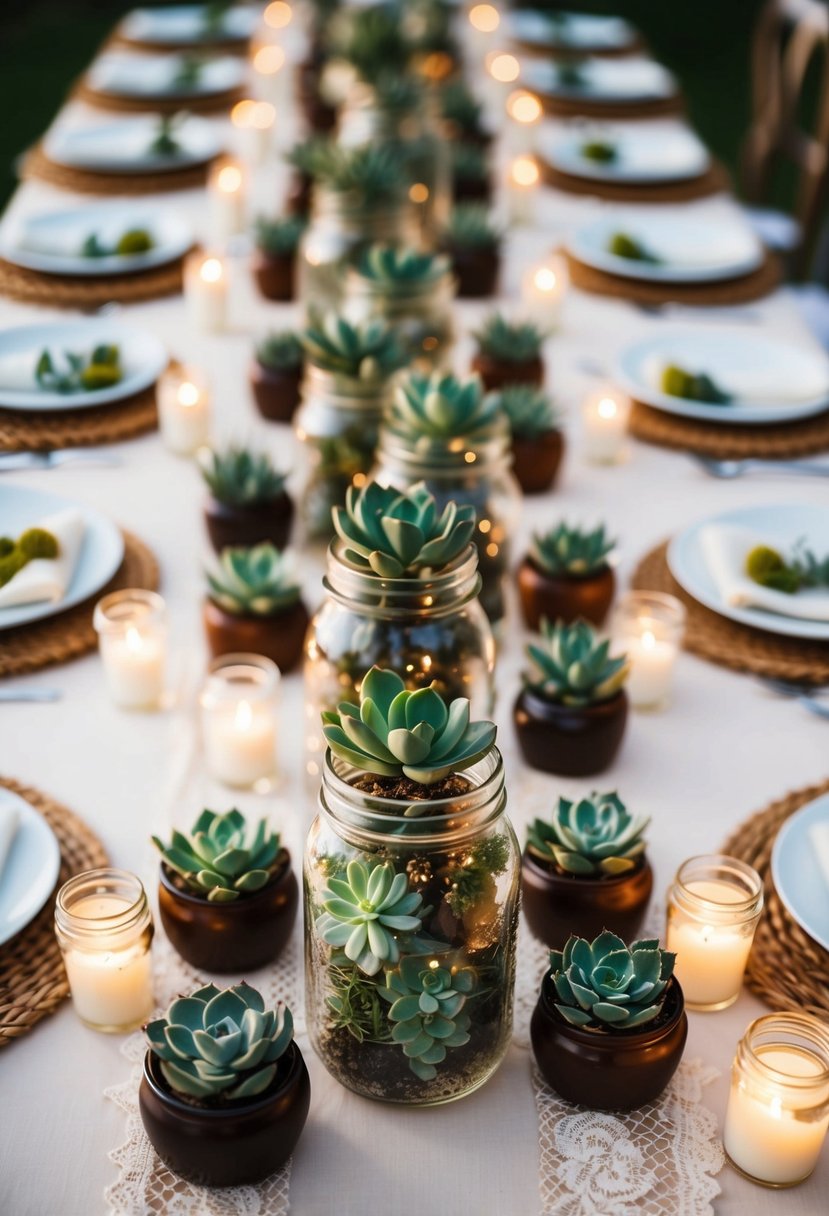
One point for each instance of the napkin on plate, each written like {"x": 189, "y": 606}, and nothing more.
{"x": 725, "y": 548}
{"x": 9, "y": 823}
{"x": 48, "y": 578}
{"x": 748, "y": 385}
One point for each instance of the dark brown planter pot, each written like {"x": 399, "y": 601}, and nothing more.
{"x": 274, "y": 274}
{"x": 298, "y": 200}
{"x": 275, "y": 391}
{"x": 497, "y": 373}
{"x": 565, "y": 597}
{"x": 471, "y": 191}
{"x": 569, "y": 740}
{"x": 229, "y": 937}
{"x": 229, "y": 525}
{"x": 604, "y": 1070}
{"x": 476, "y": 271}
{"x": 278, "y": 637}
{"x": 234, "y": 1145}
{"x": 557, "y": 904}
{"x": 536, "y": 461}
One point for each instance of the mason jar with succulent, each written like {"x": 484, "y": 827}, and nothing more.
{"x": 508, "y": 352}
{"x": 275, "y": 246}
{"x": 537, "y": 438}
{"x": 473, "y": 242}
{"x": 411, "y": 898}
{"x": 275, "y": 375}
{"x": 567, "y": 575}
{"x": 248, "y": 503}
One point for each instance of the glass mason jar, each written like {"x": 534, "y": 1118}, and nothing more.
{"x": 431, "y": 629}
{"x": 475, "y": 472}
{"x": 104, "y": 929}
{"x": 458, "y": 865}
{"x": 420, "y": 312}
{"x": 778, "y": 1106}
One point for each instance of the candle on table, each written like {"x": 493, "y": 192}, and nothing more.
{"x": 270, "y": 79}
{"x": 544, "y": 289}
{"x": 239, "y": 720}
{"x": 278, "y": 14}
{"x": 522, "y": 187}
{"x": 604, "y": 424}
{"x": 502, "y": 69}
{"x": 183, "y": 409}
{"x": 484, "y": 20}
{"x": 525, "y": 110}
{"x": 226, "y": 199}
{"x": 205, "y": 289}
{"x": 648, "y": 627}
{"x": 254, "y": 120}
{"x": 132, "y": 638}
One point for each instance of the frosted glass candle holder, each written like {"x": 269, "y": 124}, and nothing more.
{"x": 183, "y": 396}
{"x": 605, "y": 415}
{"x": 239, "y": 706}
{"x": 132, "y": 639}
{"x": 648, "y": 628}
{"x": 206, "y": 291}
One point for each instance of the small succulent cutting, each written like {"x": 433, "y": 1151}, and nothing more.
{"x": 371, "y": 173}
{"x": 164, "y": 141}
{"x": 461, "y": 110}
{"x": 374, "y": 42}
{"x": 239, "y": 477}
{"x": 81, "y": 373}
{"x": 188, "y": 73}
{"x": 602, "y": 151}
{"x": 470, "y": 227}
{"x": 440, "y": 406}
{"x": 399, "y": 267}
{"x": 606, "y": 986}
{"x": 693, "y": 386}
{"x": 509, "y": 341}
{"x": 258, "y": 581}
{"x": 571, "y": 73}
{"x": 366, "y": 911}
{"x": 801, "y": 570}
{"x": 399, "y": 534}
{"x": 469, "y": 163}
{"x": 566, "y": 550}
{"x": 219, "y": 858}
{"x": 427, "y": 1011}
{"x": 220, "y": 1044}
{"x": 625, "y": 246}
{"x": 279, "y": 237}
{"x": 528, "y": 410}
{"x": 33, "y": 544}
{"x": 129, "y": 244}
{"x": 280, "y": 351}
{"x": 369, "y": 351}
{"x": 394, "y": 732}
{"x": 572, "y": 667}
{"x": 592, "y": 837}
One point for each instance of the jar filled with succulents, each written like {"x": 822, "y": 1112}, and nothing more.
{"x": 413, "y": 291}
{"x": 446, "y": 433}
{"x": 402, "y": 588}
{"x": 346, "y": 389}
{"x": 411, "y": 898}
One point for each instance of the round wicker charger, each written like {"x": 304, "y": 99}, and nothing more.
{"x": 713, "y": 181}
{"x": 729, "y": 643}
{"x": 589, "y": 107}
{"x": 777, "y": 441}
{"x": 37, "y": 164}
{"x": 42, "y": 431}
{"x": 57, "y": 639}
{"x": 215, "y": 46}
{"x": 82, "y": 291}
{"x": 208, "y": 103}
{"x": 786, "y": 968}
{"x": 760, "y": 282}
{"x": 32, "y": 977}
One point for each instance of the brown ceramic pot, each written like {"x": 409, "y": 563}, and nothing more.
{"x": 231, "y": 937}
{"x": 497, "y": 373}
{"x": 298, "y": 198}
{"x": 558, "y": 904}
{"x": 569, "y": 740}
{"x": 229, "y": 524}
{"x": 564, "y": 597}
{"x": 536, "y": 461}
{"x": 476, "y": 271}
{"x": 232, "y": 1145}
{"x": 471, "y": 190}
{"x": 274, "y": 274}
{"x": 275, "y": 390}
{"x": 279, "y": 637}
{"x": 605, "y": 1069}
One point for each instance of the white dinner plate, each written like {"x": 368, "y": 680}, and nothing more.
{"x": 123, "y": 145}
{"x": 631, "y": 79}
{"x": 134, "y": 75}
{"x": 143, "y": 359}
{"x": 576, "y": 31}
{"x": 691, "y": 250}
{"x": 51, "y": 241}
{"x": 770, "y": 380}
{"x": 798, "y": 878}
{"x": 651, "y": 155}
{"x": 782, "y": 525}
{"x": 31, "y": 869}
{"x": 184, "y": 24}
{"x": 101, "y": 553}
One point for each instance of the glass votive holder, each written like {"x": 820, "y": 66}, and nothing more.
{"x": 183, "y": 398}
{"x": 605, "y": 415}
{"x": 778, "y": 1106}
{"x": 648, "y": 627}
{"x": 239, "y": 705}
{"x": 104, "y": 929}
{"x": 206, "y": 290}
{"x": 227, "y": 191}
{"x": 544, "y": 289}
{"x": 132, "y": 639}
{"x": 714, "y": 905}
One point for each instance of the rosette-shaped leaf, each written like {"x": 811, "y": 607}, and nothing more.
{"x": 394, "y": 732}
{"x": 509, "y": 341}
{"x": 240, "y": 477}
{"x": 253, "y": 582}
{"x": 572, "y": 667}
{"x": 369, "y": 351}
{"x": 427, "y": 1011}
{"x": 440, "y": 406}
{"x": 394, "y": 266}
{"x": 528, "y": 410}
{"x": 566, "y": 550}
{"x": 596, "y": 835}
{"x": 606, "y": 985}
{"x": 366, "y": 911}
{"x": 219, "y": 859}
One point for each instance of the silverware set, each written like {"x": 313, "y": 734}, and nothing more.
{"x": 807, "y": 695}
{"x": 727, "y": 470}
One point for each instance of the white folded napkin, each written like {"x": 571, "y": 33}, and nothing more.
{"x": 9, "y": 823}
{"x": 725, "y": 548}
{"x": 17, "y": 372}
{"x": 767, "y": 385}
{"x": 48, "y": 578}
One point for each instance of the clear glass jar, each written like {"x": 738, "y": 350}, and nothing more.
{"x": 714, "y": 905}
{"x": 104, "y": 929}
{"x": 778, "y": 1106}
{"x": 461, "y": 865}
{"x": 420, "y": 312}
{"x": 239, "y": 716}
{"x": 132, "y": 639}
{"x": 475, "y": 472}
{"x": 425, "y": 629}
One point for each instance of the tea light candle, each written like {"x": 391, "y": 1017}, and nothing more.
{"x": 104, "y": 928}
{"x": 254, "y": 120}
{"x": 226, "y": 199}
{"x": 239, "y": 720}
{"x": 604, "y": 422}
{"x": 522, "y": 187}
{"x": 270, "y": 79}
{"x": 502, "y": 69}
{"x": 544, "y": 289}
{"x": 714, "y": 905}
{"x": 525, "y": 110}
{"x": 205, "y": 289}
{"x": 648, "y": 627}
{"x": 778, "y": 1105}
{"x": 484, "y": 20}
{"x": 183, "y": 409}
{"x": 132, "y": 638}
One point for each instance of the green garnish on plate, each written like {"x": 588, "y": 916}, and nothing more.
{"x": 132, "y": 242}
{"x": 801, "y": 570}
{"x": 189, "y": 73}
{"x": 677, "y": 382}
{"x": 213, "y": 16}
{"x": 100, "y": 370}
{"x": 602, "y": 151}
{"x": 623, "y": 245}
{"x": 164, "y": 142}
{"x": 571, "y": 73}
{"x": 31, "y": 544}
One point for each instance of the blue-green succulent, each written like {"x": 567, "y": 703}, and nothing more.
{"x": 595, "y": 835}
{"x": 427, "y": 1009}
{"x": 608, "y": 985}
{"x": 219, "y": 859}
{"x": 367, "y": 911}
{"x": 571, "y": 666}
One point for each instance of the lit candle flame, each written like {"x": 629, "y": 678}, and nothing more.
{"x": 523, "y": 107}
{"x": 133, "y": 639}
{"x": 484, "y": 18}
{"x": 188, "y": 394}
{"x": 278, "y": 14}
{"x": 607, "y": 408}
{"x": 244, "y": 716}
{"x": 268, "y": 60}
{"x": 229, "y": 179}
{"x": 211, "y": 270}
{"x": 524, "y": 171}
{"x": 648, "y": 640}
{"x": 545, "y": 279}
{"x": 503, "y": 67}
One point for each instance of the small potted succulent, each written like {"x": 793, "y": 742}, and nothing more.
{"x": 566, "y": 575}
{"x": 254, "y": 606}
{"x": 274, "y": 256}
{"x": 537, "y": 438}
{"x": 276, "y": 374}
{"x": 470, "y": 173}
{"x": 584, "y": 870}
{"x": 474, "y": 245}
{"x": 610, "y": 1026}
{"x": 571, "y": 713}
{"x": 462, "y": 114}
{"x": 248, "y": 502}
{"x": 224, "y": 1093}
{"x": 227, "y": 897}
{"x": 509, "y": 352}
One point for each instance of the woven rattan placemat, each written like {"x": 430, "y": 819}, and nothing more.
{"x": 44, "y": 430}
{"x": 57, "y": 639}
{"x": 37, "y": 164}
{"x": 778, "y": 441}
{"x": 210, "y": 103}
{"x": 82, "y": 291}
{"x": 761, "y": 282}
{"x": 786, "y": 968}
{"x": 32, "y": 977}
{"x": 714, "y": 180}
{"x": 589, "y": 107}
{"x": 225, "y": 46}
{"x": 730, "y": 644}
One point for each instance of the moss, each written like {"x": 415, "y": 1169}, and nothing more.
{"x": 10, "y": 565}
{"x": 37, "y": 542}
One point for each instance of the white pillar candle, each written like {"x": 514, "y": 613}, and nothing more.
{"x": 254, "y": 121}
{"x": 544, "y": 289}
{"x": 226, "y": 200}
{"x": 604, "y": 426}
{"x": 502, "y": 71}
{"x": 271, "y": 78}
{"x": 651, "y": 669}
{"x": 648, "y": 627}
{"x": 239, "y": 720}
{"x": 483, "y": 23}
{"x": 522, "y": 189}
{"x": 132, "y": 638}
{"x": 183, "y": 409}
{"x": 205, "y": 289}
{"x": 525, "y": 112}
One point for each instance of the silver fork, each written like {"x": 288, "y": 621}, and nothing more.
{"x": 9, "y": 461}
{"x": 804, "y": 694}
{"x": 727, "y": 470}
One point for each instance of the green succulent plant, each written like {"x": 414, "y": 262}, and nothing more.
{"x": 164, "y": 141}
{"x": 374, "y": 42}
{"x": 366, "y": 911}
{"x": 469, "y": 163}
{"x": 32, "y": 544}
{"x": 220, "y": 1044}
{"x": 566, "y": 550}
{"x": 509, "y": 341}
{"x": 280, "y": 351}
{"x": 528, "y": 410}
{"x": 131, "y": 242}
{"x": 219, "y": 859}
{"x": 595, "y": 835}
{"x": 440, "y": 406}
{"x": 695, "y": 386}
{"x": 427, "y": 1009}
{"x": 572, "y": 667}
{"x": 239, "y": 477}
{"x": 399, "y": 534}
{"x": 802, "y": 569}
{"x": 256, "y": 581}
{"x": 395, "y": 266}
{"x": 279, "y": 237}
{"x": 605, "y": 985}
{"x": 394, "y": 732}
{"x": 80, "y": 373}
{"x": 602, "y": 151}
{"x": 461, "y": 109}
{"x": 397, "y": 95}
{"x": 625, "y": 246}
{"x": 470, "y": 227}
{"x": 571, "y": 73}
{"x": 371, "y": 173}
{"x": 369, "y": 351}
{"x": 188, "y": 73}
